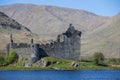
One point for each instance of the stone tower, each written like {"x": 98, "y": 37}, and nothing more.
{"x": 72, "y": 43}
{"x": 67, "y": 45}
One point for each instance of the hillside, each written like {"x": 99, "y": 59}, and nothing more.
{"x": 104, "y": 39}
{"x": 99, "y": 33}
{"x": 10, "y": 26}
{"x": 48, "y": 21}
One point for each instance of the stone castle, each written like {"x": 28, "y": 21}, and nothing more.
{"x": 66, "y": 46}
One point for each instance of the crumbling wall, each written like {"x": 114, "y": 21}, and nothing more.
{"x": 66, "y": 46}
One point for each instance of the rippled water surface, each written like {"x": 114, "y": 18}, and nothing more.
{"x": 61, "y": 75}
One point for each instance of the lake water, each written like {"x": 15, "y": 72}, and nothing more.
{"x": 61, "y": 75}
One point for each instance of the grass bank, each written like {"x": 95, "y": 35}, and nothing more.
{"x": 60, "y": 64}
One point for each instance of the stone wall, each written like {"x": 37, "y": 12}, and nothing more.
{"x": 66, "y": 46}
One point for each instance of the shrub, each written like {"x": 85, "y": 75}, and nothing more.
{"x": 12, "y": 57}
{"x": 115, "y": 61}
{"x": 99, "y": 58}
{"x": 112, "y": 61}
{"x": 2, "y": 60}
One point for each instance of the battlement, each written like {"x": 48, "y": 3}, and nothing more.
{"x": 72, "y": 32}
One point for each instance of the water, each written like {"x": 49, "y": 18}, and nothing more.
{"x": 61, "y": 75}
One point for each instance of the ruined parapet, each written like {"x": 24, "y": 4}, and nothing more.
{"x": 22, "y": 49}
{"x": 27, "y": 50}
{"x": 60, "y": 38}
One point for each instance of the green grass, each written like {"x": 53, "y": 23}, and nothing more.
{"x": 64, "y": 64}
{"x": 92, "y": 65}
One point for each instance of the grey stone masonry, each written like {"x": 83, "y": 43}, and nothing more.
{"x": 67, "y": 45}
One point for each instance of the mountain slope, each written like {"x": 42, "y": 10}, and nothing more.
{"x": 105, "y": 39}
{"x": 99, "y": 34}
{"x": 48, "y": 21}
{"x": 10, "y": 26}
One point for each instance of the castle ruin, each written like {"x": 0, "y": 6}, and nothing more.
{"x": 66, "y": 46}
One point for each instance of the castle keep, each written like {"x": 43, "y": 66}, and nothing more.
{"x": 66, "y": 46}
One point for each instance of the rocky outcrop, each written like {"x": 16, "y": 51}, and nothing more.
{"x": 74, "y": 64}
{"x": 45, "y": 63}
{"x": 7, "y": 22}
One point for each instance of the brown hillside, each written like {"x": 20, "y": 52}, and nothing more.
{"x": 98, "y": 33}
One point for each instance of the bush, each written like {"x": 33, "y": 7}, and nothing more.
{"x": 2, "y": 61}
{"x": 12, "y": 57}
{"x": 99, "y": 58}
{"x": 115, "y": 61}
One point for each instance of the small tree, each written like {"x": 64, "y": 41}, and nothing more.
{"x": 99, "y": 58}
{"x": 2, "y": 60}
{"x": 13, "y": 57}
{"x": 112, "y": 61}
